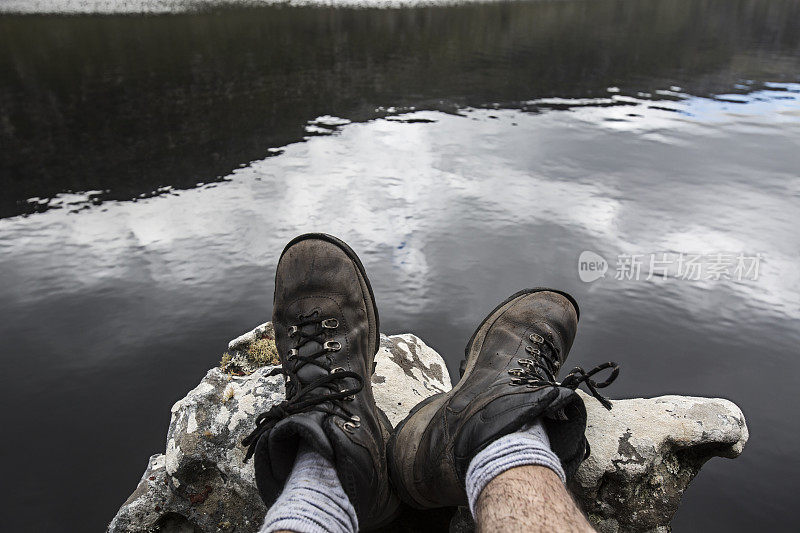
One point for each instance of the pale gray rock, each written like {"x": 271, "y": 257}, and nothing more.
{"x": 209, "y": 487}
{"x": 201, "y": 482}
{"x": 644, "y": 451}
{"x": 407, "y": 371}
{"x": 251, "y": 336}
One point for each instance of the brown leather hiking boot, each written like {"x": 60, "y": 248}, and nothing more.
{"x": 509, "y": 380}
{"x": 326, "y": 333}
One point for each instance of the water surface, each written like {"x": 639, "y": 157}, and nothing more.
{"x": 153, "y": 168}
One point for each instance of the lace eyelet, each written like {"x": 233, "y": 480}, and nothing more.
{"x": 535, "y": 337}
{"x": 347, "y": 398}
{"x": 294, "y": 352}
{"x": 355, "y": 419}
{"x": 336, "y": 370}
{"x": 349, "y": 427}
{"x": 526, "y": 361}
{"x": 533, "y": 351}
{"x": 333, "y": 346}
{"x": 516, "y": 372}
{"x": 293, "y": 330}
{"x": 516, "y": 382}
{"x": 330, "y": 323}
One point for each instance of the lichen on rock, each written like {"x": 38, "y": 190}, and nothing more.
{"x": 251, "y": 351}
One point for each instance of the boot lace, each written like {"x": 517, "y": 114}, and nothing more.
{"x": 298, "y": 397}
{"x": 541, "y": 367}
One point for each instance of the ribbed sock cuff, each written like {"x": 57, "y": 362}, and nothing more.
{"x": 312, "y": 501}
{"x": 528, "y": 446}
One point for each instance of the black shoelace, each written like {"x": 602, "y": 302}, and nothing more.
{"x": 298, "y": 398}
{"x": 541, "y": 368}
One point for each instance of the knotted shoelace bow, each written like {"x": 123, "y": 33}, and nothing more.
{"x": 541, "y": 368}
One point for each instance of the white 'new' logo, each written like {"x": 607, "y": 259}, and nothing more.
{"x": 591, "y": 266}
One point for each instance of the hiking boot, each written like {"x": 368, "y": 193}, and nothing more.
{"x": 326, "y": 333}
{"x": 509, "y": 380}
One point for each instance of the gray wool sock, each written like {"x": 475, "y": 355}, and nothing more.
{"x": 313, "y": 500}
{"x": 528, "y": 446}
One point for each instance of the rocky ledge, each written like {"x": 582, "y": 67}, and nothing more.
{"x": 644, "y": 452}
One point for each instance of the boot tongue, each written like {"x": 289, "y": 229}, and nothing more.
{"x": 310, "y": 371}
{"x": 307, "y": 341}
{"x": 286, "y": 437}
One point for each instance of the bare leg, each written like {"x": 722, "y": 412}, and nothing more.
{"x": 529, "y": 499}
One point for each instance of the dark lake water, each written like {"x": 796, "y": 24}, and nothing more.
{"x": 152, "y": 168}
